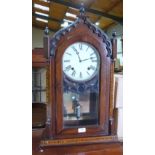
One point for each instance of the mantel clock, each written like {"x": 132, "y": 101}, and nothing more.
{"x": 81, "y": 81}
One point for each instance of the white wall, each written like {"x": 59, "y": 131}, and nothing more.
{"x": 118, "y": 102}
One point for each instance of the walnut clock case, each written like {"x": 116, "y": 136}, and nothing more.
{"x": 81, "y": 85}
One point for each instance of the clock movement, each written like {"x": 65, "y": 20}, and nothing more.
{"x": 81, "y": 65}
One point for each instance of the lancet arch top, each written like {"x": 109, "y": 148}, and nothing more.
{"x": 82, "y": 18}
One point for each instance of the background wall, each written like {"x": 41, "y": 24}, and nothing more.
{"x": 116, "y": 28}
{"x": 37, "y": 37}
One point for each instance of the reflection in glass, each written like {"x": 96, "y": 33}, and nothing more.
{"x": 80, "y": 109}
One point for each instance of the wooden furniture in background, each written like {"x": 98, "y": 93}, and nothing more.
{"x": 38, "y": 58}
{"x": 39, "y": 88}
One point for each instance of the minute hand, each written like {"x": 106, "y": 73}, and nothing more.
{"x": 87, "y": 59}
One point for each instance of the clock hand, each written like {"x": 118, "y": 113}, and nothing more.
{"x": 78, "y": 56}
{"x": 87, "y": 58}
{"x": 77, "y": 53}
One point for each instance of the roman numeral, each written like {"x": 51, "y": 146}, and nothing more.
{"x": 66, "y": 60}
{"x": 92, "y": 54}
{"x": 87, "y": 49}
{"x": 92, "y": 57}
{"x": 68, "y": 68}
{"x": 94, "y": 60}
{"x": 80, "y": 75}
{"x": 80, "y": 46}
{"x": 74, "y": 49}
{"x": 68, "y": 53}
{"x": 73, "y": 73}
{"x": 92, "y": 67}
{"x": 88, "y": 73}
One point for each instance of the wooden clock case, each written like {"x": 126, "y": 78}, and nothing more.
{"x": 54, "y": 133}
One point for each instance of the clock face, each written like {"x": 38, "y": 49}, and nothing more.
{"x": 80, "y": 62}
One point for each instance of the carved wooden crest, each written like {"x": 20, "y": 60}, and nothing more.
{"x": 82, "y": 19}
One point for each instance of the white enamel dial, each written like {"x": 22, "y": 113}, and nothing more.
{"x": 80, "y": 61}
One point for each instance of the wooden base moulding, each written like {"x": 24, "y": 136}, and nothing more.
{"x": 78, "y": 141}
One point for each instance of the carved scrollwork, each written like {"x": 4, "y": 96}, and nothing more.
{"x": 82, "y": 18}
{"x": 78, "y": 87}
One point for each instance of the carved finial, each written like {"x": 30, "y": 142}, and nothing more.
{"x": 46, "y": 31}
{"x": 114, "y": 34}
{"x": 82, "y": 9}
